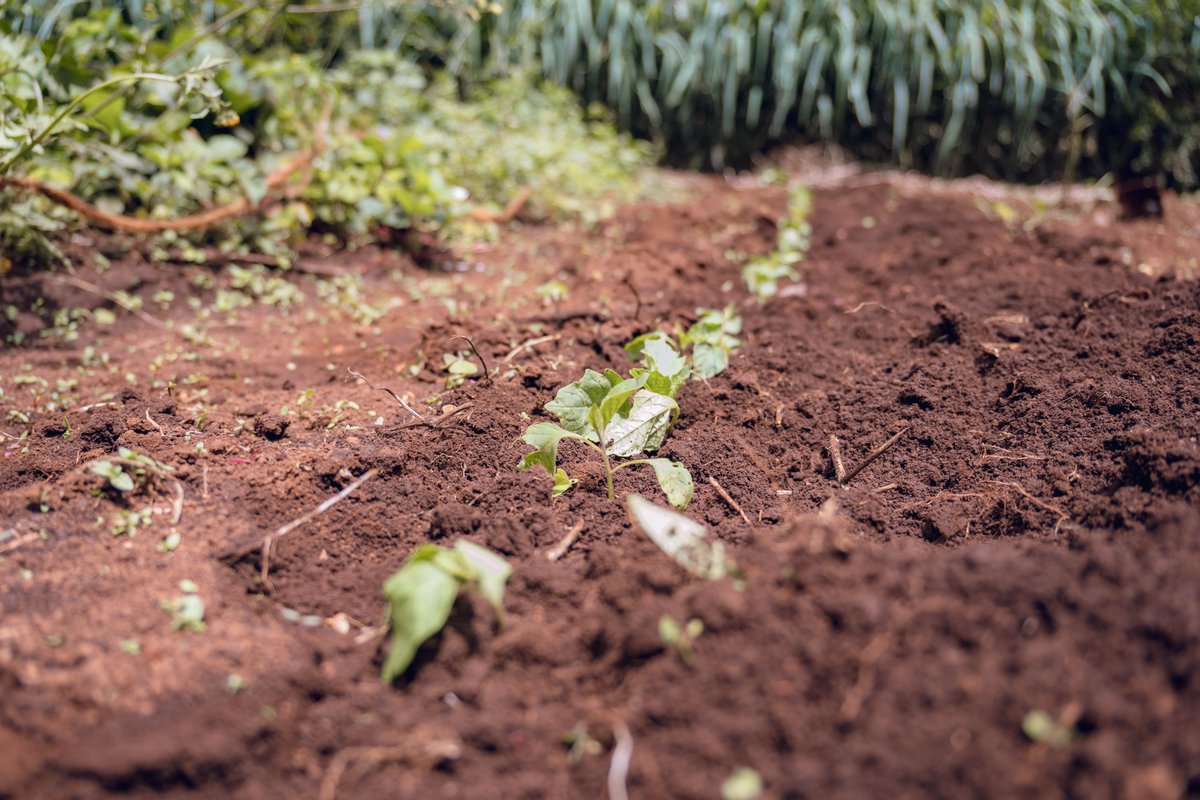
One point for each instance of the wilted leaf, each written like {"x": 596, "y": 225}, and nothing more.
{"x": 680, "y": 537}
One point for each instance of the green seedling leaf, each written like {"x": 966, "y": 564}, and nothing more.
{"x": 545, "y": 436}
{"x": 709, "y": 360}
{"x": 491, "y": 573}
{"x": 681, "y": 538}
{"x": 675, "y": 480}
{"x": 575, "y": 401}
{"x": 1041, "y": 727}
{"x": 644, "y": 429}
{"x": 743, "y": 784}
{"x": 421, "y": 596}
{"x": 117, "y": 477}
{"x": 667, "y": 368}
{"x": 617, "y": 397}
{"x": 562, "y": 482}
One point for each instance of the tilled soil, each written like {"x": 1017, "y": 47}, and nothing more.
{"x": 1028, "y": 544}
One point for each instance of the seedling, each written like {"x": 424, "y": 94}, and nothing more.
{"x": 598, "y": 411}
{"x": 763, "y": 274}
{"x": 743, "y": 784}
{"x": 129, "y": 470}
{"x": 422, "y": 593}
{"x": 681, "y": 638}
{"x": 712, "y": 338}
{"x": 1043, "y": 728}
{"x": 127, "y": 522}
{"x": 457, "y": 367}
{"x": 187, "y": 610}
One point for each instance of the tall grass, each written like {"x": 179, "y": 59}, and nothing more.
{"x": 1025, "y": 90}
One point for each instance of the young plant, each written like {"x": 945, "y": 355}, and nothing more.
{"x": 129, "y": 470}
{"x": 712, "y": 338}
{"x": 422, "y": 593}
{"x": 763, "y": 274}
{"x": 681, "y": 638}
{"x": 613, "y": 416}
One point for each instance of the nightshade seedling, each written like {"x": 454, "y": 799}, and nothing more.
{"x": 712, "y": 338}
{"x": 613, "y": 416}
{"x": 421, "y": 594}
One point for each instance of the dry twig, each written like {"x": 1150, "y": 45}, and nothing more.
{"x": 283, "y": 530}
{"x": 835, "y": 455}
{"x": 559, "y": 550}
{"x": 486, "y": 374}
{"x": 728, "y": 498}
{"x": 395, "y": 396}
{"x": 871, "y": 456}
{"x": 530, "y": 345}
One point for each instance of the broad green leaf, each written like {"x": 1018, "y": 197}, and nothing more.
{"x": 662, "y": 356}
{"x": 420, "y": 597}
{"x": 675, "y": 480}
{"x": 491, "y": 573}
{"x": 644, "y": 429}
{"x": 709, "y": 360}
{"x": 635, "y": 347}
{"x": 545, "y": 436}
{"x": 575, "y": 401}
{"x": 562, "y": 482}
{"x": 617, "y": 396}
{"x": 681, "y": 538}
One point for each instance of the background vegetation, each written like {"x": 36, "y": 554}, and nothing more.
{"x": 437, "y": 106}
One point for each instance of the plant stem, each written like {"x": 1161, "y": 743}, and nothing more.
{"x": 608, "y": 469}
{"x": 44, "y": 132}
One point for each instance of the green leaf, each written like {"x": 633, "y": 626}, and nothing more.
{"x": 681, "y": 538}
{"x": 545, "y": 436}
{"x": 661, "y": 355}
{"x": 744, "y": 784}
{"x": 675, "y": 480}
{"x": 420, "y": 596}
{"x": 618, "y": 395}
{"x": 644, "y": 429}
{"x": 709, "y": 360}
{"x": 491, "y": 573}
{"x": 562, "y": 482}
{"x": 575, "y": 401}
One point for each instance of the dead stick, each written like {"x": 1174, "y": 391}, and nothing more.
{"x": 284, "y": 530}
{"x": 565, "y": 543}
{"x": 530, "y": 345}
{"x": 395, "y": 396}
{"x": 728, "y": 498}
{"x": 835, "y": 454}
{"x": 871, "y": 456}
{"x": 482, "y": 363}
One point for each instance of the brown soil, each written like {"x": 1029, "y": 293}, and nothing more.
{"x": 1029, "y": 543}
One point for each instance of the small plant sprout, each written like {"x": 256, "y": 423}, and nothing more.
{"x": 763, "y": 274}
{"x": 1039, "y": 726}
{"x": 422, "y": 593}
{"x": 614, "y": 417}
{"x": 458, "y": 367}
{"x": 713, "y": 338}
{"x": 187, "y": 610}
{"x": 743, "y": 783}
{"x": 126, "y": 523}
{"x": 129, "y": 470}
{"x": 681, "y": 638}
